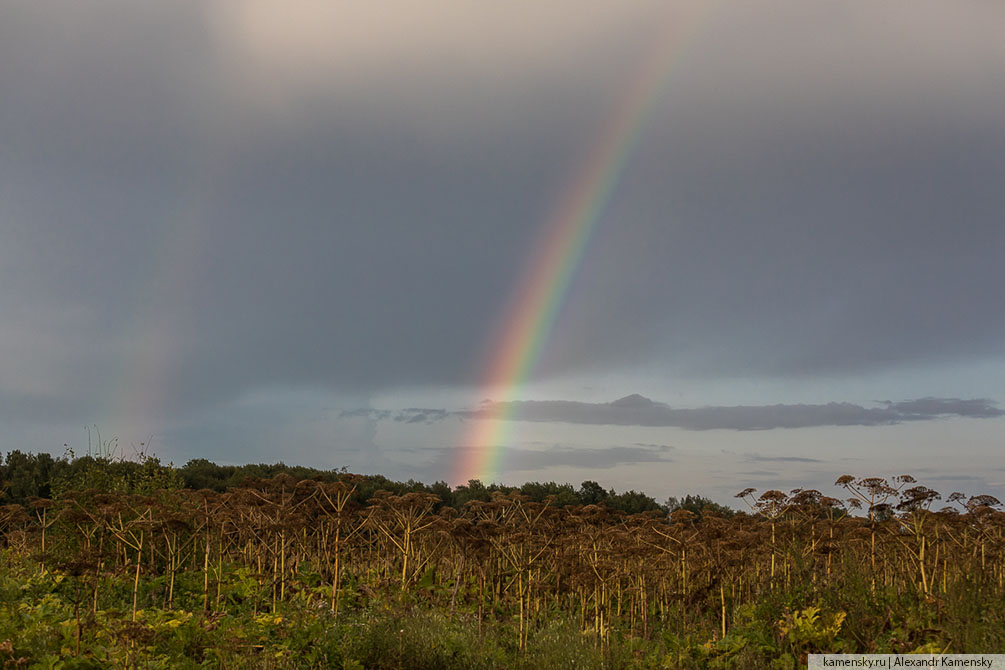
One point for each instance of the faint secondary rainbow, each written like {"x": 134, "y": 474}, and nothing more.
{"x": 139, "y": 399}
{"x": 533, "y": 308}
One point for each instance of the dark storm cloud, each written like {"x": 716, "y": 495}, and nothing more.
{"x": 256, "y": 212}
{"x": 636, "y": 410}
{"x": 265, "y": 254}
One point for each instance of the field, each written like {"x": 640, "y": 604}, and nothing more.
{"x": 320, "y": 572}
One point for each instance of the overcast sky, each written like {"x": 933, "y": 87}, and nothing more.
{"x": 262, "y": 231}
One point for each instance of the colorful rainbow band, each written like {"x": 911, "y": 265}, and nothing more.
{"x": 534, "y": 306}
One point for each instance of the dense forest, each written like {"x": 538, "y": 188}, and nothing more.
{"x": 112, "y": 562}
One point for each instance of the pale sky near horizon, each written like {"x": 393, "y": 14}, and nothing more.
{"x": 263, "y": 231}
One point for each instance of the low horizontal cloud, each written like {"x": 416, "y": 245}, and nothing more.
{"x": 953, "y": 478}
{"x": 519, "y": 459}
{"x": 637, "y": 410}
{"x": 980, "y": 408}
{"x": 367, "y": 413}
{"x": 780, "y": 459}
{"x": 420, "y": 415}
{"x": 407, "y": 415}
{"x": 527, "y": 459}
{"x": 653, "y": 446}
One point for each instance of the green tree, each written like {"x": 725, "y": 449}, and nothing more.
{"x": 698, "y": 505}
{"x": 591, "y": 493}
{"x": 24, "y": 476}
{"x": 632, "y": 502}
{"x": 474, "y": 490}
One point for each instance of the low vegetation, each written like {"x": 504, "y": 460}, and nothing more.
{"x": 116, "y": 563}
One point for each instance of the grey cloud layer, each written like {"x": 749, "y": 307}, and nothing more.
{"x": 518, "y": 459}
{"x": 174, "y": 187}
{"x": 637, "y": 410}
{"x": 757, "y": 458}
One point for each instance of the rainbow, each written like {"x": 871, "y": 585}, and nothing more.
{"x": 163, "y": 309}
{"x": 529, "y": 316}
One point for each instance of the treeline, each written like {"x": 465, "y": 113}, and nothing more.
{"x": 25, "y": 476}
